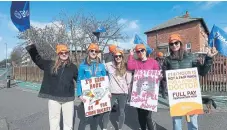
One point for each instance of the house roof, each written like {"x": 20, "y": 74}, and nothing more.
{"x": 178, "y": 21}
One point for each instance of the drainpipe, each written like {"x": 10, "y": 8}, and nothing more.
{"x": 156, "y": 42}
{"x": 156, "y": 39}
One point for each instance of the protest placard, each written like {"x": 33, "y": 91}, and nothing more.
{"x": 96, "y": 93}
{"x": 145, "y": 89}
{"x": 184, "y": 92}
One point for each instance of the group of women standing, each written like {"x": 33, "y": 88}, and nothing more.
{"x": 59, "y": 75}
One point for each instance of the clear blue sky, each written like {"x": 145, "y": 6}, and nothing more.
{"x": 139, "y": 16}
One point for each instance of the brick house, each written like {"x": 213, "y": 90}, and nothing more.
{"x": 193, "y": 31}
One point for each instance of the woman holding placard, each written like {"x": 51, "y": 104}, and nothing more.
{"x": 180, "y": 59}
{"x": 120, "y": 81}
{"x": 57, "y": 85}
{"x": 143, "y": 63}
{"x": 90, "y": 67}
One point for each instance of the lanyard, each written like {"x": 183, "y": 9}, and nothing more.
{"x": 93, "y": 70}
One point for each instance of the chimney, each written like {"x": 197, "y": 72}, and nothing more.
{"x": 186, "y": 15}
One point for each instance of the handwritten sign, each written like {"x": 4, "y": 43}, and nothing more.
{"x": 184, "y": 92}
{"x": 145, "y": 89}
{"x": 96, "y": 92}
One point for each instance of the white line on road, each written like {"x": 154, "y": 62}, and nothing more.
{"x": 26, "y": 90}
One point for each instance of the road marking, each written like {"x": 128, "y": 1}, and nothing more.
{"x": 26, "y": 90}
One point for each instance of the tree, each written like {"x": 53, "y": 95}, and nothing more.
{"x": 45, "y": 39}
{"x": 3, "y": 63}
{"x": 76, "y": 31}
{"x": 17, "y": 54}
{"x": 81, "y": 28}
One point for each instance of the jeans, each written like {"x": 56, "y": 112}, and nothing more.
{"x": 192, "y": 125}
{"x": 122, "y": 100}
{"x": 145, "y": 119}
{"x": 163, "y": 88}
{"x": 94, "y": 119}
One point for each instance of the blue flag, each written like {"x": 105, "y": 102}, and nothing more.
{"x": 138, "y": 40}
{"x": 101, "y": 29}
{"x": 20, "y": 15}
{"x": 149, "y": 49}
{"x": 218, "y": 39}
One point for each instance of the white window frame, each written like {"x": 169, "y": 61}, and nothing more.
{"x": 187, "y": 48}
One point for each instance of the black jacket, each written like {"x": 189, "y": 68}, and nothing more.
{"x": 160, "y": 62}
{"x": 60, "y": 86}
{"x": 189, "y": 60}
{"x": 108, "y": 57}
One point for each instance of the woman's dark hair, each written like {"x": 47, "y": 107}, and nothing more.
{"x": 151, "y": 84}
{"x": 180, "y": 54}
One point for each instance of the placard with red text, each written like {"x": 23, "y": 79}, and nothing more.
{"x": 145, "y": 89}
{"x": 96, "y": 92}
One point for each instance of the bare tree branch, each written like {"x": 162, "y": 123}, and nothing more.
{"x": 76, "y": 31}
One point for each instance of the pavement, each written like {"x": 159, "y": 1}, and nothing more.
{"x": 21, "y": 109}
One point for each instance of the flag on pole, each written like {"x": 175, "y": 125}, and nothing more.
{"x": 149, "y": 49}
{"x": 138, "y": 40}
{"x": 101, "y": 29}
{"x": 20, "y": 15}
{"x": 218, "y": 39}
{"x": 98, "y": 32}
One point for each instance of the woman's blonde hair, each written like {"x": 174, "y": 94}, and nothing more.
{"x": 88, "y": 60}
{"x": 120, "y": 71}
{"x": 58, "y": 63}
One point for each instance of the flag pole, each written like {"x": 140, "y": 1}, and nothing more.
{"x": 213, "y": 41}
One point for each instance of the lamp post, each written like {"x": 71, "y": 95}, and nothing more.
{"x": 6, "y": 55}
{"x": 8, "y": 76}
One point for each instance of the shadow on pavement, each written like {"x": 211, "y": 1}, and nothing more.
{"x": 131, "y": 119}
{"x": 160, "y": 127}
{"x": 163, "y": 103}
{"x": 94, "y": 121}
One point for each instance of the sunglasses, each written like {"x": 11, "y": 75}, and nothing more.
{"x": 92, "y": 51}
{"x": 63, "y": 53}
{"x": 174, "y": 43}
{"x": 140, "y": 51}
{"x": 118, "y": 56}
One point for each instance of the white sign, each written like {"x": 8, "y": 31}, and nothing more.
{"x": 96, "y": 92}
{"x": 145, "y": 89}
{"x": 184, "y": 92}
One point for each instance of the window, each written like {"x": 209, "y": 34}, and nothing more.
{"x": 165, "y": 51}
{"x": 188, "y": 47}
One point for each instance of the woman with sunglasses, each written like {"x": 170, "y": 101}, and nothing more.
{"x": 179, "y": 59}
{"x": 90, "y": 67}
{"x": 143, "y": 63}
{"x": 120, "y": 81}
{"x": 57, "y": 85}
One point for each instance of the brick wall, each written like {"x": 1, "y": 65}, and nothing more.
{"x": 203, "y": 39}
{"x": 190, "y": 33}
